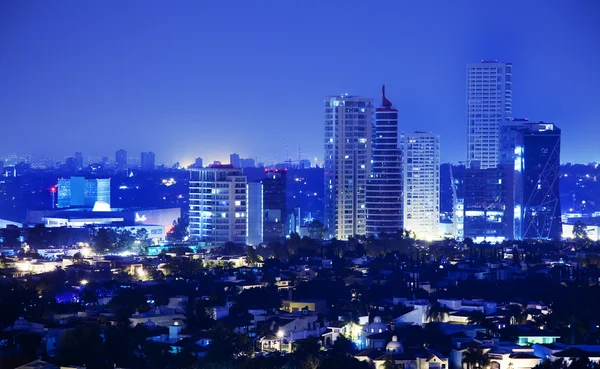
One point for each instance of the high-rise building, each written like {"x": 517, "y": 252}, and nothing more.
{"x": 274, "y": 205}
{"x": 78, "y": 160}
{"x": 234, "y": 160}
{"x": 121, "y": 159}
{"x": 148, "y": 161}
{"x": 421, "y": 184}
{"x": 487, "y": 202}
{"x": 489, "y": 105}
{"x": 254, "y": 205}
{"x": 536, "y": 160}
{"x": 217, "y": 205}
{"x": 348, "y": 131}
{"x": 198, "y": 163}
{"x": 384, "y": 187}
{"x": 70, "y": 164}
{"x": 247, "y": 163}
{"x": 81, "y": 192}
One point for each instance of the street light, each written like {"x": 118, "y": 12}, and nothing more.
{"x": 83, "y": 282}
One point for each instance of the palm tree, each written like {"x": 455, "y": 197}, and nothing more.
{"x": 475, "y": 358}
{"x": 436, "y": 312}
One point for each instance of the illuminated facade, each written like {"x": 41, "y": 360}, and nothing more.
{"x": 217, "y": 205}
{"x": 254, "y": 205}
{"x": 81, "y": 192}
{"x": 536, "y": 160}
{"x": 489, "y": 105}
{"x": 421, "y": 184}
{"x": 384, "y": 187}
{"x": 348, "y": 131}
{"x": 486, "y": 196}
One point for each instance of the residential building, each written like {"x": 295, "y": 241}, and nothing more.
{"x": 121, "y": 159}
{"x": 274, "y": 205}
{"x": 148, "y": 161}
{"x": 217, "y": 205}
{"x": 421, "y": 183}
{"x": 489, "y": 105}
{"x": 384, "y": 187}
{"x": 348, "y": 131}
{"x": 82, "y": 192}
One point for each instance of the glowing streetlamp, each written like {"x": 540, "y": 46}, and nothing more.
{"x": 83, "y": 282}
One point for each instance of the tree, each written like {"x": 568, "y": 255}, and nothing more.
{"x": 252, "y": 256}
{"x": 436, "y": 312}
{"x": 475, "y": 358}
{"x": 11, "y": 236}
{"x": 580, "y": 230}
{"x": 179, "y": 231}
{"x": 125, "y": 240}
{"x": 316, "y": 229}
{"x": 104, "y": 241}
{"x": 342, "y": 346}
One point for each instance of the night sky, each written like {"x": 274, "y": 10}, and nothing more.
{"x": 207, "y": 78}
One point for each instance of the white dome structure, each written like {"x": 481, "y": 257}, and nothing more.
{"x": 394, "y": 346}
{"x": 377, "y": 326}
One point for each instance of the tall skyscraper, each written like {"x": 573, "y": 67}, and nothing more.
{"x": 217, "y": 205}
{"x": 536, "y": 160}
{"x": 384, "y": 187}
{"x": 148, "y": 161}
{"x": 78, "y": 160}
{"x": 121, "y": 159}
{"x": 274, "y": 205}
{"x": 254, "y": 206}
{"x": 489, "y": 105}
{"x": 421, "y": 183}
{"x": 234, "y": 160}
{"x": 198, "y": 163}
{"x": 348, "y": 130}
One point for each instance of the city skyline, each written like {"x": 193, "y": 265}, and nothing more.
{"x": 170, "y": 102}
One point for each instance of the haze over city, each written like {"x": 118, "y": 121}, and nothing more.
{"x": 204, "y": 79}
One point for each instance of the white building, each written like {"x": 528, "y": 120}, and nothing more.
{"x": 217, "y": 205}
{"x": 348, "y": 126}
{"x": 489, "y": 103}
{"x": 421, "y": 182}
{"x": 384, "y": 187}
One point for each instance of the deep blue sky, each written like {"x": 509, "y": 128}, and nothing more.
{"x": 206, "y": 78}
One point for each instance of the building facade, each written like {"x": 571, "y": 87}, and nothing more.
{"x": 384, "y": 186}
{"x": 217, "y": 205}
{"x": 254, "y": 205}
{"x": 81, "y": 192}
{"x": 537, "y": 178}
{"x": 274, "y": 205}
{"x": 488, "y": 203}
{"x": 489, "y": 105}
{"x": 234, "y": 160}
{"x": 421, "y": 184}
{"x": 121, "y": 159}
{"x": 347, "y": 166}
{"x": 148, "y": 161}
